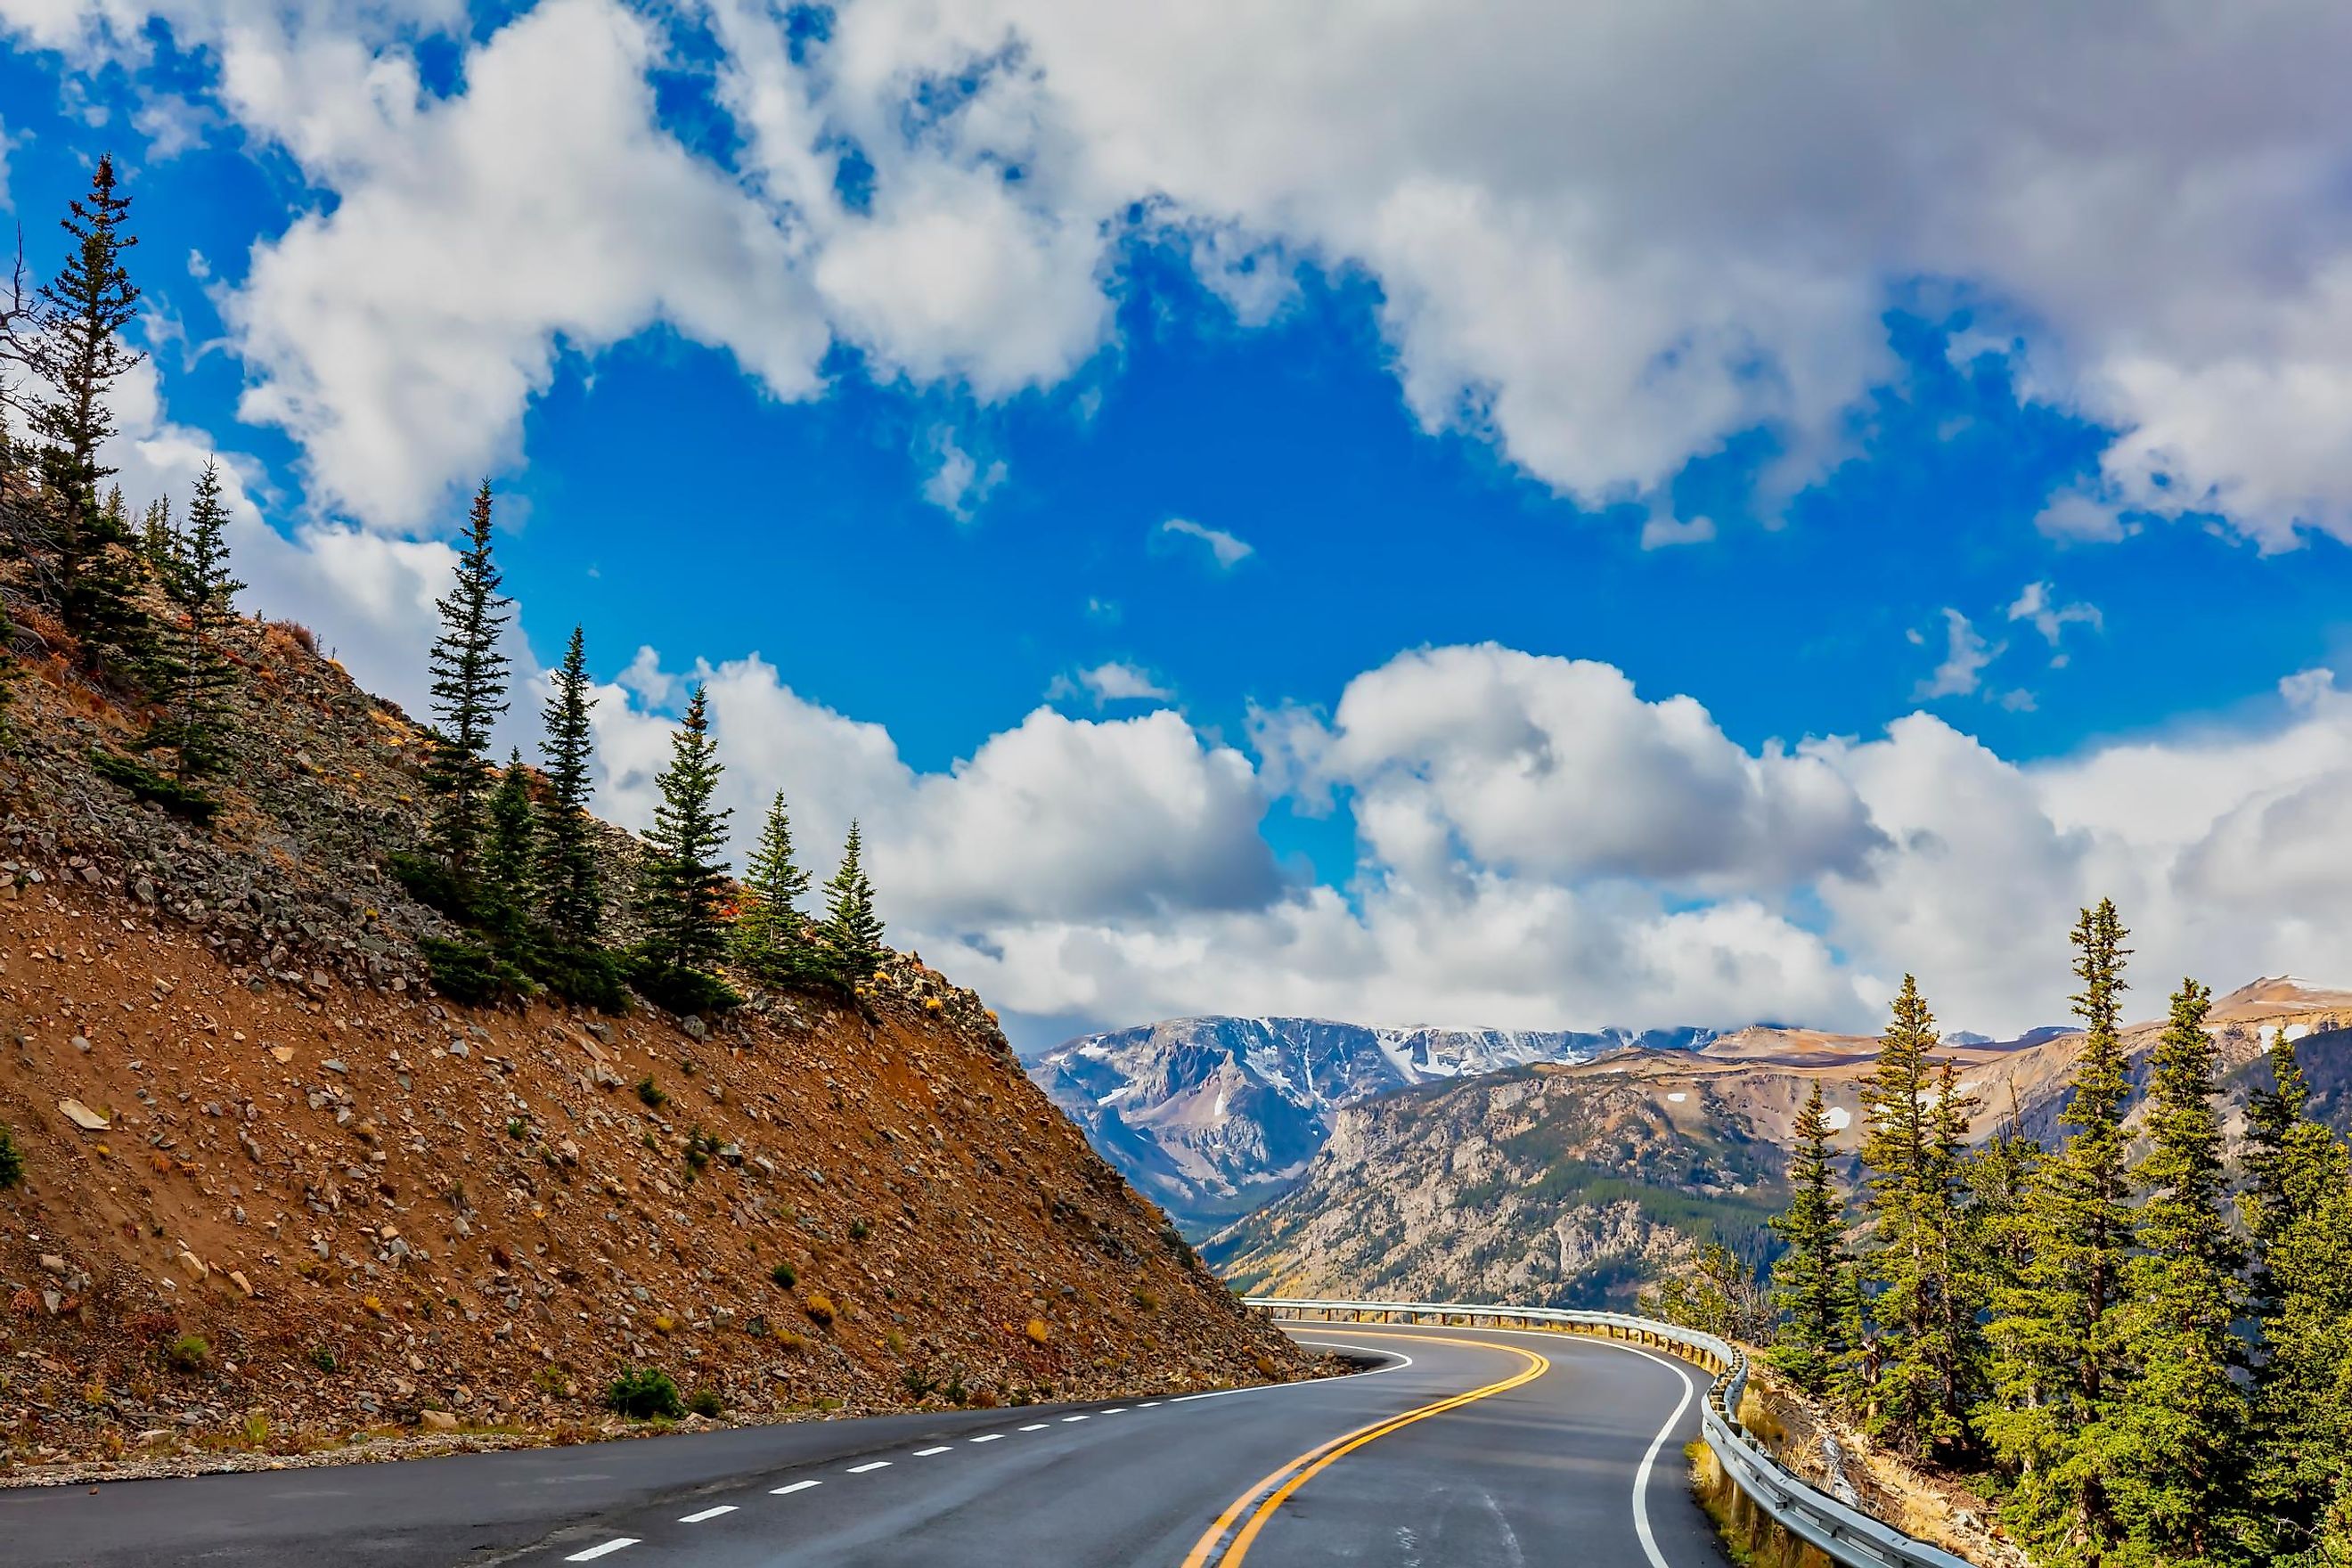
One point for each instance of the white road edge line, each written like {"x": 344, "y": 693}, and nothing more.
{"x": 992, "y": 1437}
{"x": 593, "y": 1553}
{"x": 795, "y": 1487}
{"x": 1399, "y": 1364}
{"x": 872, "y": 1465}
{"x": 707, "y": 1513}
{"x": 1649, "y": 1460}
{"x": 926, "y": 1453}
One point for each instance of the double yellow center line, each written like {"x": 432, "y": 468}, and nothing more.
{"x": 1221, "y": 1544}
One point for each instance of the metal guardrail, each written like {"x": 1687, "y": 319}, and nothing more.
{"x": 1845, "y": 1533}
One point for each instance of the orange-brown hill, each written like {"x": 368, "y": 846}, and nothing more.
{"x": 276, "y": 1194}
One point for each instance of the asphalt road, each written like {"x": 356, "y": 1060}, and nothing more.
{"x": 1466, "y": 1448}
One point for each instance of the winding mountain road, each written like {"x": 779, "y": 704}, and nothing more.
{"x": 1464, "y": 1449}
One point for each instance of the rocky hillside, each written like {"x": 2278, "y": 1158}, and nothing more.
{"x": 1214, "y": 1116}
{"x": 1574, "y": 1185}
{"x": 277, "y": 1198}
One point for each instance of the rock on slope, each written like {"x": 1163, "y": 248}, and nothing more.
{"x": 276, "y": 1196}
{"x": 1214, "y": 1116}
{"x": 1572, "y": 1185}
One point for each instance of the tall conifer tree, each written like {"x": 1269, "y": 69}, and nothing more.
{"x": 1812, "y": 1283}
{"x": 196, "y": 660}
{"x": 770, "y": 939}
{"x": 509, "y": 856}
{"x": 2299, "y": 1214}
{"x": 684, "y": 880}
{"x": 76, "y": 351}
{"x": 2174, "y": 1445}
{"x": 852, "y": 930}
{"x": 574, "y": 899}
{"x": 2061, "y": 1347}
{"x": 470, "y": 693}
{"x": 1902, "y": 1402}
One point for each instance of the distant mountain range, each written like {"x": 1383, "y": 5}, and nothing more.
{"x": 1574, "y": 1185}
{"x": 1211, "y": 1117}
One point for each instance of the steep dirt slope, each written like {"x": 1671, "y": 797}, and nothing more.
{"x": 276, "y": 1194}
{"x": 1571, "y": 1185}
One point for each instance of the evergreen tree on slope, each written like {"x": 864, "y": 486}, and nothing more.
{"x": 770, "y": 940}
{"x": 510, "y": 858}
{"x": 469, "y": 686}
{"x": 2176, "y": 1435}
{"x": 573, "y": 896}
{"x": 199, "y": 676}
{"x": 1903, "y": 1178}
{"x": 852, "y": 930}
{"x": 2299, "y": 1214}
{"x": 76, "y": 351}
{"x": 1812, "y": 1283}
{"x": 683, "y": 883}
{"x": 2062, "y": 1350}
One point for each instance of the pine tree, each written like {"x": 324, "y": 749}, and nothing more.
{"x": 684, "y": 880}
{"x": 852, "y": 930}
{"x": 199, "y": 676}
{"x": 2062, "y": 1354}
{"x": 2000, "y": 1177}
{"x": 1955, "y": 1344}
{"x": 2291, "y": 1164}
{"x": 469, "y": 683}
{"x": 770, "y": 940}
{"x": 1909, "y": 1205}
{"x": 2174, "y": 1444}
{"x": 157, "y": 537}
{"x": 1812, "y": 1283}
{"x": 574, "y": 901}
{"x": 76, "y": 351}
{"x": 2299, "y": 1214}
{"x": 509, "y": 856}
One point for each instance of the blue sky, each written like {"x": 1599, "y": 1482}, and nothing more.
{"x": 1885, "y": 454}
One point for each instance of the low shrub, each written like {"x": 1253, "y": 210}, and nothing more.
{"x": 189, "y": 1352}
{"x": 584, "y": 976}
{"x": 471, "y": 976}
{"x": 323, "y": 1358}
{"x": 145, "y": 784}
{"x": 651, "y": 1093}
{"x": 430, "y": 883}
{"x": 679, "y": 991}
{"x": 859, "y": 1230}
{"x": 785, "y": 1275}
{"x": 819, "y": 1309}
{"x": 1038, "y": 1331}
{"x": 705, "y": 1402}
{"x": 12, "y": 1160}
{"x": 642, "y": 1394}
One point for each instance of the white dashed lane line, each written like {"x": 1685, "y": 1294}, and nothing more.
{"x": 991, "y": 1437}
{"x": 875, "y": 1465}
{"x": 1036, "y": 1427}
{"x": 609, "y": 1547}
{"x": 1115, "y": 1410}
{"x": 926, "y": 1453}
{"x": 1067, "y": 1418}
{"x": 795, "y": 1487}
{"x": 707, "y": 1513}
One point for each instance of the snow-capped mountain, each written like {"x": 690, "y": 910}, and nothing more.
{"x": 1211, "y": 1117}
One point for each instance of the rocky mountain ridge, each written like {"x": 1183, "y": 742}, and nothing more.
{"x": 1213, "y": 1115}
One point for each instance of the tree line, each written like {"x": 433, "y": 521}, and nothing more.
{"x": 147, "y": 607}
{"x": 2152, "y": 1365}
{"x": 510, "y": 852}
